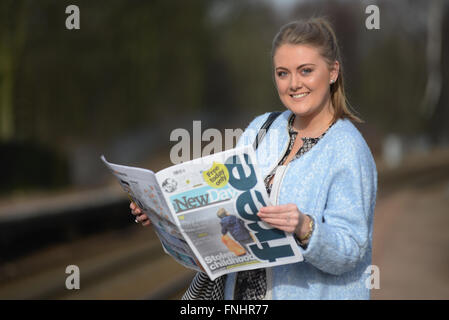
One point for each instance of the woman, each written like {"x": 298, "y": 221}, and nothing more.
{"x": 318, "y": 171}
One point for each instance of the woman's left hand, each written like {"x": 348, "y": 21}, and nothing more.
{"x": 286, "y": 217}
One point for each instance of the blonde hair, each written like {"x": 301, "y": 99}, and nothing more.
{"x": 318, "y": 33}
{"x": 221, "y": 213}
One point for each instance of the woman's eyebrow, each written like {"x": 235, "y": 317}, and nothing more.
{"x": 306, "y": 64}
{"x": 299, "y": 67}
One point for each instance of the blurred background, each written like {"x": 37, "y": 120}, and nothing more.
{"x": 137, "y": 70}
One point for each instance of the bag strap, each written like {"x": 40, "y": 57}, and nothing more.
{"x": 263, "y": 130}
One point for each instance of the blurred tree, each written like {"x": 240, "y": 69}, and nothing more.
{"x": 391, "y": 85}
{"x": 438, "y": 123}
{"x": 130, "y": 64}
{"x": 242, "y": 50}
{"x": 433, "y": 55}
{"x": 13, "y": 25}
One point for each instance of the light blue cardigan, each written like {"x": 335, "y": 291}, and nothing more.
{"x": 336, "y": 183}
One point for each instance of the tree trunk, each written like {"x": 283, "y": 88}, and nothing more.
{"x": 433, "y": 53}
{"x": 6, "y": 95}
{"x": 14, "y": 16}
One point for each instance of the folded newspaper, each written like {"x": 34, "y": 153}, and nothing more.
{"x": 204, "y": 212}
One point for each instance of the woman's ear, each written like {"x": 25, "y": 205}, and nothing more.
{"x": 334, "y": 71}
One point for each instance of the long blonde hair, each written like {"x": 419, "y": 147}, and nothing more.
{"x": 318, "y": 32}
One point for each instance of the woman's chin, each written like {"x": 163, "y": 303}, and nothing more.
{"x": 300, "y": 111}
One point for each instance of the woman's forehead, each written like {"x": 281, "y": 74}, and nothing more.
{"x": 292, "y": 54}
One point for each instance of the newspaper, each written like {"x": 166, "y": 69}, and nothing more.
{"x": 205, "y": 212}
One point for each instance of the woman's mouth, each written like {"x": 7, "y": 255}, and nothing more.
{"x": 299, "y": 95}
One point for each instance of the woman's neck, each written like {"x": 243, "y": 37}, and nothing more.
{"x": 313, "y": 126}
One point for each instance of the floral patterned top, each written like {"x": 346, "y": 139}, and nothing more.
{"x": 308, "y": 143}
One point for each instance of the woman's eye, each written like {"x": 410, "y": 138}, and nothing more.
{"x": 306, "y": 71}
{"x": 282, "y": 74}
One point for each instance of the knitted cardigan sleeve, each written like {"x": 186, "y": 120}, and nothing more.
{"x": 343, "y": 232}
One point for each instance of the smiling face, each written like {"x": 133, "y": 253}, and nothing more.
{"x": 303, "y": 79}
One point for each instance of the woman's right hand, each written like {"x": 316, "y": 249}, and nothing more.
{"x": 141, "y": 217}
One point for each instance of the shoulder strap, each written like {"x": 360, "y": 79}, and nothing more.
{"x": 263, "y": 130}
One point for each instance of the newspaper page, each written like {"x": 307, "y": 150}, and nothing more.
{"x": 214, "y": 201}
{"x": 143, "y": 189}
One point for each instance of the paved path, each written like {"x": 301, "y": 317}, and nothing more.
{"x": 411, "y": 243}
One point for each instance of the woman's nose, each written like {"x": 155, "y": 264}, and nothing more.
{"x": 295, "y": 83}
